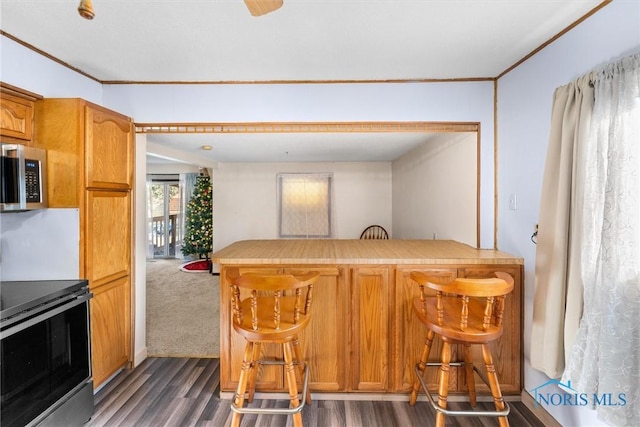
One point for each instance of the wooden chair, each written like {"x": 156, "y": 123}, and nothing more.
{"x": 277, "y": 309}
{"x": 375, "y": 232}
{"x": 464, "y": 311}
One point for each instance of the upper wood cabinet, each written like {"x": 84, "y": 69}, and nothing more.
{"x": 16, "y": 114}
{"x": 92, "y": 141}
{"x": 109, "y": 154}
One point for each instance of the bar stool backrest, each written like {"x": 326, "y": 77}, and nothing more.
{"x": 275, "y": 303}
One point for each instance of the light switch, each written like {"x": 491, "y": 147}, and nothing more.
{"x": 513, "y": 201}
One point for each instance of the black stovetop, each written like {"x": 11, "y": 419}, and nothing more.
{"x": 16, "y": 297}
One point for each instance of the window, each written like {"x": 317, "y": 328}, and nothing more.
{"x": 304, "y": 205}
{"x": 164, "y": 216}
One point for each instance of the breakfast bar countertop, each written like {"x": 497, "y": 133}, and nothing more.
{"x": 355, "y": 251}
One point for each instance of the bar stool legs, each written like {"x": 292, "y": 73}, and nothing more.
{"x": 246, "y": 383}
{"x": 422, "y": 365}
{"x": 493, "y": 384}
{"x": 471, "y": 382}
{"x": 443, "y": 382}
{"x": 271, "y": 308}
{"x": 463, "y": 312}
{"x": 289, "y": 371}
{"x": 502, "y": 409}
{"x": 298, "y": 354}
{"x": 254, "y": 371}
{"x": 238, "y": 399}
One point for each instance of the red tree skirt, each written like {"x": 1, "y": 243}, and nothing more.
{"x": 198, "y": 266}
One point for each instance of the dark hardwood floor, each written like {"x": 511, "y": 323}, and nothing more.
{"x": 185, "y": 392}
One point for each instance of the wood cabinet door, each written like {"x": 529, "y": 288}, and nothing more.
{"x": 110, "y": 310}
{"x": 324, "y": 341}
{"x": 107, "y": 233}
{"x": 16, "y": 118}
{"x": 370, "y": 298}
{"x": 109, "y": 149}
{"x": 270, "y": 377}
{"x": 507, "y": 350}
{"x": 410, "y": 333}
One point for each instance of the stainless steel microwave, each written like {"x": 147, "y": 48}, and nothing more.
{"x": 24, "y": 177}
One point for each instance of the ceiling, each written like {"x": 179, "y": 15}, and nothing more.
{"x": 292, "y": 147}
{"x": 303, "y": 41}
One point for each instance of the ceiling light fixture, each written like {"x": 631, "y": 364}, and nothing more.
{"x": 206, "y": 147}
{"x": 262, "y": 7}
{"x": 85, "y": 9}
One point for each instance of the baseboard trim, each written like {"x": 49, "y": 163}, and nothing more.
{"x": 539, "y": 411}
{"x": 139, "y": 357}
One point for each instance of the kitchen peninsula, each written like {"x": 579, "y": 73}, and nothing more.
{"x": 363, "y": 337}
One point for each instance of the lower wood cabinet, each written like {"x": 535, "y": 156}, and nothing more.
{"x": 409, "y": 333}
{"x": 364, "y": 336}
{"x": 507, "y": 350}
{"x": 322, "y": 342}
{"x": 370, "y": 326}
{"x": 111, "y": 316}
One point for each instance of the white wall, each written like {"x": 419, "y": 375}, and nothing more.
{"x": 140, "y": 252}
{"x": 435, "y": 190}
{"x": 28, "y": 70}
{"x": 436, "y": 101}
{"x": 43, "y": 244}
{"x": 524, "y": 114}
{"x": 171, "y": 168}
{"x": 244, "y": 198}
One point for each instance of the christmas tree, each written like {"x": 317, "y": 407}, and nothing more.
{"x": 199, "y": 220}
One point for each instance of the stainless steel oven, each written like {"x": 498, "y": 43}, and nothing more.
{"x": 45, "y": 353}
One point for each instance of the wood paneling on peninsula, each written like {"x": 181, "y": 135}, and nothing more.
{"x": 363, "y": 336}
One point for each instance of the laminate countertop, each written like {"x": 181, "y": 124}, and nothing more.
{"x": 354, "y": 251}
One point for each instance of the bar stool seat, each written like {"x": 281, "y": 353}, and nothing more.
{"x": 276, "y": 310}
{"x": 464, "y": 311}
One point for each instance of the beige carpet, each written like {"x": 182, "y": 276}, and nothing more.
{"x": 182, "y": 311}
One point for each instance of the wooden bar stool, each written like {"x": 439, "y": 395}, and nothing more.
{"x": 277, "y": 309}
{"x": 464, "y": 311}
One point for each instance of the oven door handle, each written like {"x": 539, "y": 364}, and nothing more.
{"x": 44, "y": 316}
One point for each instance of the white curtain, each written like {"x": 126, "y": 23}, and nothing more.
{"x": 305, "y": 205}
{"x": 557, "y": 303}
{"x": 605, "y": 357}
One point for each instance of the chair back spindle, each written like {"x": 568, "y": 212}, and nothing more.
{"x": 374, "y": 232}
{"x": 481, "y": 299}
{"x": 276, "y": 302}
